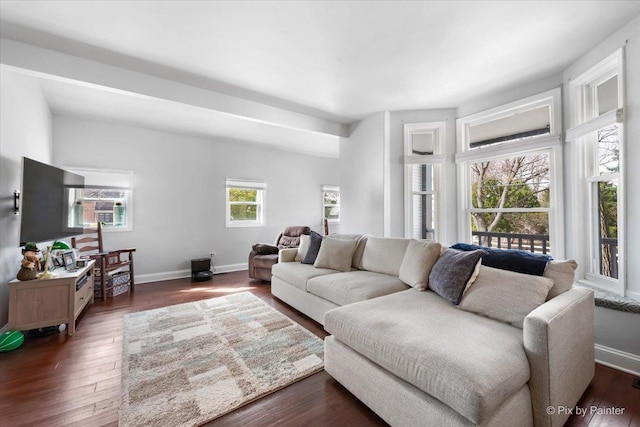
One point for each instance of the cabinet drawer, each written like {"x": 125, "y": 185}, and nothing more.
{"x": 83, "y": 295}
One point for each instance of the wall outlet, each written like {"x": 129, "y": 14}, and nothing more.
{"x": 212, "y": 254}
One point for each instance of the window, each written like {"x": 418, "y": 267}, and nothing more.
{"x": 245, "y": 203}
{"x": 423, "y": 160}
{"x": 106, "y": 197}
{"x": 510, "y": 169}
{"x": 331, "y": 203}
{"x": 597, "y": 139}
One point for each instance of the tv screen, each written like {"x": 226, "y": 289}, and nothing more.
{"x": 46, "y": 200}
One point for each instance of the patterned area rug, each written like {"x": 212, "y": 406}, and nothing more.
{"x": 187, "y": 364}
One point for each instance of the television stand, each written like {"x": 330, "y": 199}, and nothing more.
{"x": 48, "y": 302}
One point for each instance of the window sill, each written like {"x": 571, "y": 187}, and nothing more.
{"x": 245, "y": 225}
{"x": 612, "y": 301}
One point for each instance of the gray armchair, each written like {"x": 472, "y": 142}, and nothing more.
{"x": 263, "y": 256}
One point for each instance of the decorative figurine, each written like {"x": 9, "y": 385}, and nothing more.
{"x": 30, "y": 262}
{"x": 46, "y": 274}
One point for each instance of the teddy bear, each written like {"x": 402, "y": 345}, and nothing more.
{"x": 30, "y": 262}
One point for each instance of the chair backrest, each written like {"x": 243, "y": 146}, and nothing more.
{"x": 290, "y": 237}
{"x": 90, "y": 243}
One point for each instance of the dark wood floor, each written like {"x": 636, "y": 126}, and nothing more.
{"x": 57, "y": 380}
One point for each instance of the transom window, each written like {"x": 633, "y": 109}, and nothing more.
{"x": 245, "y": 203}
{"x": 510, "y": 168}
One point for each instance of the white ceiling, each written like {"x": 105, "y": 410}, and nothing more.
{"x": 339, "y": 60}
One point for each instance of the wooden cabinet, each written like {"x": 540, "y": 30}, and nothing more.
{"x": 39, "y": 303}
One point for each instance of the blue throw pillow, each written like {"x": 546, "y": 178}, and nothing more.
{"x": 314, "y": 247}
{"x": 509, "y": 259}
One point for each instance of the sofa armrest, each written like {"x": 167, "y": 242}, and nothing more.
{"x": 559, "y": 343}
{"x": 287, "y": 255}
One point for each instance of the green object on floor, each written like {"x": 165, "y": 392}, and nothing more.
{"x": 11, "y": 340}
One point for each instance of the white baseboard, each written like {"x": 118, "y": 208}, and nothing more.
{"x": 616, "y": 359}
{"x": 180, "y": 274}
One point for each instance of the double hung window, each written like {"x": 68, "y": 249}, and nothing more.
{"x": 331, "y": 203}
{"x": 510, "y": 169}
{"x": 245, "y": 203}
{"x": 423, "y": 162}
{"x": 597, "y": 136}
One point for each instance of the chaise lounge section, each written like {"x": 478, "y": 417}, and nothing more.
{"x": 514, "y": 346}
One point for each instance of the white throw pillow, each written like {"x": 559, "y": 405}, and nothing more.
{"x": 418, "y": 260}
{"x": 562, "y": 273}
{"x": 336, "y": 254}
{"x": 305, "y": 239}
{"x": 505, "y": 295}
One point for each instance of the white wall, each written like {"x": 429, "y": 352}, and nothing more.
{"x": 179, "y": 195}
{"x": 449, "y": 211}
{"x": 25, "y": 130}
{"x": 362, "y": 177}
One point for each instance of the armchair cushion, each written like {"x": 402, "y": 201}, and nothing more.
{"x": 265, "y": 261}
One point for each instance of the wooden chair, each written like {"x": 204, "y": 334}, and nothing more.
{"x": 111, "y": 266}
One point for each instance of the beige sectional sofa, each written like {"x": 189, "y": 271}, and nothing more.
{"x": 517, "y": 350}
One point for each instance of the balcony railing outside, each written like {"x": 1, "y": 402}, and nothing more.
{"x": 539, "y": 243}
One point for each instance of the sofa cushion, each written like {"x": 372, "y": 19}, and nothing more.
{"x": 383, "y": 255}
{"x": 314, "y": 248}
{"x": 297, "y": 274}
{"x": 509, "y": 259}
{"x": 451, "y": 273}
{"x": 418, "y": 260}
{"x": 505, "y": 295}
{"x": 354, "y": 286}
{"x": 562, "y": 273}
{"x": 470, "y": 363}
{"x": 335, "y": 254}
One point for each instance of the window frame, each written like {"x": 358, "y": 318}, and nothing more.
{"x": 261, "y": 189}
{"x": 109, "y": 179}
{"x": 436, "y": 160}
{"x": 587, "y": 121}
{"x": 548, "y": 143}
{"x": 331, "y": 189}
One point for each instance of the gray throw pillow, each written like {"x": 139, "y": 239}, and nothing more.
{"x": 335, "y": 254}
{"x": 452, "y": 271}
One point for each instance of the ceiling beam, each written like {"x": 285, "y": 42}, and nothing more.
{"x": 56, "y": 65}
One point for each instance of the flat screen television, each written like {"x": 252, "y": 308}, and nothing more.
{"x": 46, "y": 202}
